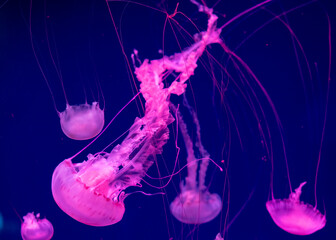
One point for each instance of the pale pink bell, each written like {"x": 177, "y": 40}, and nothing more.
{"x": 295, "y": 217}
{"x": 196, "y": 207}
{"x": 74, "y": 193}
{"x": 34, "y": 228}
{"x": 82, "y": 122}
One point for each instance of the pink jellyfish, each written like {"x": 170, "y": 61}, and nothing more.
{"x": 294, "y": 216}
{"x": 78, "y": 122}
{"x": 82, "y": 122}
{"x": 34, "y": 228}
{"x": 195, "y": 204}
{"x": 92, "y": 191}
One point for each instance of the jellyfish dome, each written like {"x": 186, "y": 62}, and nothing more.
{"x": 196, "y": 207}
{"x": 294, "y": 216}
{"x": 82, "y": 122}
{"x": 73, "y": 189}
{"x": 34, "y": 228}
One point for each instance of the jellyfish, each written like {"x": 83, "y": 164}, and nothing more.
{"x": 34, "y": 228}
{"x": 77, "y": 121}
{"x": 82, "y": 122}
{"x": 92, "y": 192}
{"x": 195, "y": 204}
{"x": 294, "y": 216}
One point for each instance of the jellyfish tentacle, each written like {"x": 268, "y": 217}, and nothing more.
{"x": 203, "y": 152}
{"x": 295, "y": 196}
{"x": 190, "y": 180}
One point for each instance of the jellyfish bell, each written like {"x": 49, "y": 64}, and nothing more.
{"x": 295, "y": 216}
{"x": 82, "y": 122}
{"x": 34, "y": 228}
{"x": 196, "y": 207}
{"x": 74, "y": 192}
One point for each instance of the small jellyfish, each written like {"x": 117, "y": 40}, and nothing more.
{"x": 294, "y": 216}
{"x": 82, "y": 122}
{"x": 78, "y": 122}
{"x": 34, "y": 228}
{"x": 195, "y": 204}
{"x": 92, "y": 192}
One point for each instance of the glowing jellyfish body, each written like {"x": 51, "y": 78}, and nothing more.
{"x": 82, "y": 122}
{"x": 294, "y": 216}
{"x": 92, "y": 191}
{"x": 34, "y": 228}
{"x": 81, "y": 201}
{"x": 195, "y": 204}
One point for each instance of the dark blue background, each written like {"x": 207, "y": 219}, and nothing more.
{"x": 87, "y": 54}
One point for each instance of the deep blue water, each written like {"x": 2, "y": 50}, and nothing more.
{"x": 86, "y": 54}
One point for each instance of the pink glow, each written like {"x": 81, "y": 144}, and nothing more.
{"x": 82, "y": 122}
{"x": 34, "y": 228}
{"x": 294, "y": 216}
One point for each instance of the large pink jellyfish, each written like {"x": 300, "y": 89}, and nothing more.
{"x": 34, "y": 228}
{"x": 82, "y": 122}
{"x": 92, "y": 191}
{"x": 195, "y": 204}
{"x": 294, "y": 216}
